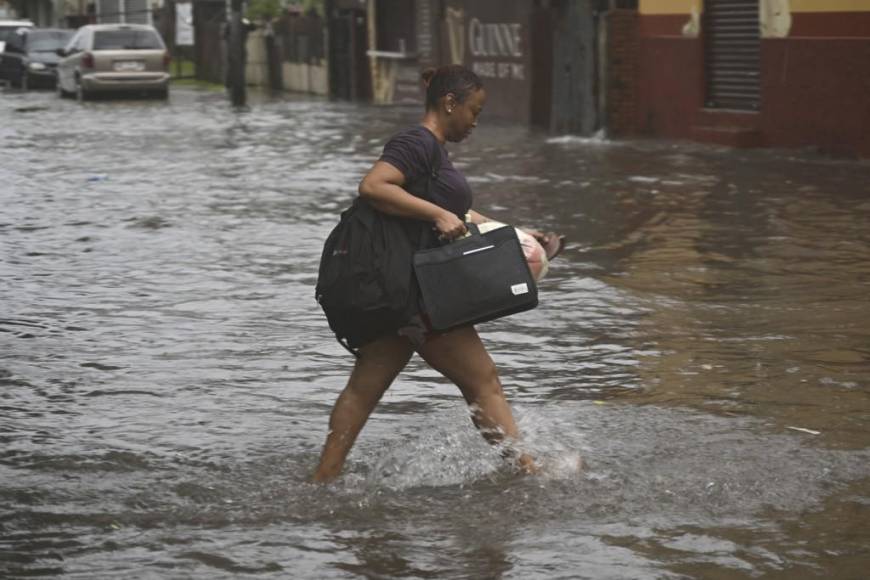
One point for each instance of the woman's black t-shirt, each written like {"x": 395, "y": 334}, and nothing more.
{"x": 412, "y": 152}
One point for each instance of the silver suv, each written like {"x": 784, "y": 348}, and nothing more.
{"x": 103, "y": 58}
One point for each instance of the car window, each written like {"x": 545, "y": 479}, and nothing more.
{"x": 8, "y": 33}
{"x": 47, "y": 40}
{"x": 126, "y": 39}
{"x": 15, "y": 41}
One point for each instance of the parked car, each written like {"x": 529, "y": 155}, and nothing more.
{"x": 107, "y": 58}
{"x": 8, "y": 29}
{"x": 30, "y": 58}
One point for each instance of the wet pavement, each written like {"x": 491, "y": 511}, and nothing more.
{"x": 166, "y": 375}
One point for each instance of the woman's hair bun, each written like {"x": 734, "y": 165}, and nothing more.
{"x": 427, "y": 75}
{"x": 449, "y": 79}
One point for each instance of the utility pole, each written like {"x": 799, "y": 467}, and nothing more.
{"x": 236, "y": 55}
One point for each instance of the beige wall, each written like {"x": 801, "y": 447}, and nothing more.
{"x": 297, "y": 77}
{"x": 305, "y": 78}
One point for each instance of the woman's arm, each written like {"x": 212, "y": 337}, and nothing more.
{"x": 382, "y": 187}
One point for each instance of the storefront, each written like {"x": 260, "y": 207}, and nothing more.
{"x": 512, "y": 45}
{"x": 491, "y": 37}
{"x": 756, "y": 72}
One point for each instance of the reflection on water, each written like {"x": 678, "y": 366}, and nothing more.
{"x": 166, "y": 375}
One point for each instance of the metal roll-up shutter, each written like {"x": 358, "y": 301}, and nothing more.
{"x": 732, "y": 54}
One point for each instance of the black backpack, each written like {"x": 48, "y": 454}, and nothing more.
{"x": 365, "y": 283}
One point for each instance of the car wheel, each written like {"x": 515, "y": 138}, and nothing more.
{"x": 59, "y": 89}
{"x": 163, "y": 93}
{"x": 25, "y": 82}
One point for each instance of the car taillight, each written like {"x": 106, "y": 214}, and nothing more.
{"x": 88, "y": 60}
{"x": 167, "y": 58}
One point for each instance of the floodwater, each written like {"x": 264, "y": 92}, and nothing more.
{"x": 166, "y": 375}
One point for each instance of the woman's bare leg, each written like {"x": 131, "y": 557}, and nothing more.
{"x": 373, "y": 373}
{"x": 461, "y": 357}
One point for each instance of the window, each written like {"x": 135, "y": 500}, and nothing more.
{"x": 128, "y": 39}
{"x": 9, "y": 33}
{"x": 47, "y": 41}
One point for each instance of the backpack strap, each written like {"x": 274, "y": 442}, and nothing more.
{"x": 434, "y": 164}
{"x": 435, "y": 168}
{"x": 435, "y": 161}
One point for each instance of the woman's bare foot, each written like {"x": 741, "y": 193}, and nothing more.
{"x": 527, "y": 465}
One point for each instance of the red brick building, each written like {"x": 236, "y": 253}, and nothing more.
{"x": 780, "y": 73}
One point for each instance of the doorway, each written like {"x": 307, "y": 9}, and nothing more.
{"x": 732, "y": 54}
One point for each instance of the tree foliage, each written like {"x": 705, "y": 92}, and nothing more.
{"x": 268, "y": 9}
{"x": 315, "y": 5}
{"x": 264, "y": 9}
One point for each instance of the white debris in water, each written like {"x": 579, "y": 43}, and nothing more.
{"x": 497, "y": 178}
{"x": 803, "y": 430}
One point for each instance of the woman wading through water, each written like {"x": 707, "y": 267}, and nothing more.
{"x": 454, "y": 99}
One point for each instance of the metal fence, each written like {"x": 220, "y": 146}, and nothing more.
{"x": 297, "y": 38}
{"x": 209, "y": 50}
{"x": 128, "y": 11}
{"x": 300, "y": 38}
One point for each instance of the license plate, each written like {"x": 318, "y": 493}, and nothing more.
{"x": 129, "y": 65}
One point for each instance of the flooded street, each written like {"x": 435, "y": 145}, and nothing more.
{"x": 166, "y": 375}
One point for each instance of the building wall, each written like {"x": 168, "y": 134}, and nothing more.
{"x": 670, "y": 85}
{"x": 301, "y": 48}
{"x": 815, "y": 79}
{"x": 393, "y": 60}
{"x": 574, "y": 82}
{"x": 305, "y": 78}
{"x": 40, "y": 12}
{"x": 621, "y": 102}
{"x": 491, "y": 37}
{"x": 6, "y": 10}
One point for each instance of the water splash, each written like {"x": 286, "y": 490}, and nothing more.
{"x": 599, "y": 138}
